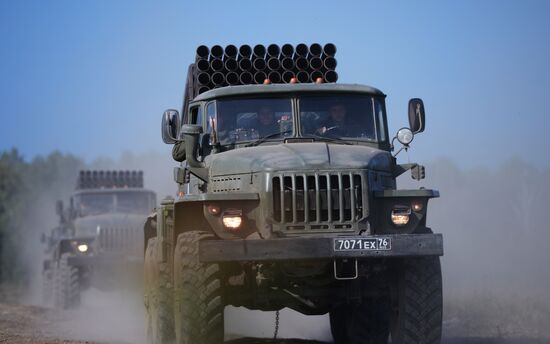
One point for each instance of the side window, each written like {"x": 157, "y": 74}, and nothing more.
{"x": 196, "y": 115}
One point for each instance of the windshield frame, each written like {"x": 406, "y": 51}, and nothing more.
{"x": 382, "y": 141}
{"x": 113, "y": 194}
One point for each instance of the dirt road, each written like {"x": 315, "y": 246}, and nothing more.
{"x": 38, "y": 325}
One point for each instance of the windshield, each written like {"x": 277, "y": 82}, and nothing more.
{"x": 342, "y": 116}
{"x": 252, "y": 119}
{"x": 133, "y": 202}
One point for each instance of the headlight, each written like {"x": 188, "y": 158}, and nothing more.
{"x": 232, "y": 222}
{"x": 232, "y": 219}
{"x": 405, "y": 136}
{"x": 82, "y": 248}
{"x": 400, "y": 216}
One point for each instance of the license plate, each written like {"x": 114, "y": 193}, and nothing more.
{"x": 362, "y": 244}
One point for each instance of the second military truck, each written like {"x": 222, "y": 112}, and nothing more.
{"x": 98, "y": 240}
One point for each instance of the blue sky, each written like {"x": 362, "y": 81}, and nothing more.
{"x": 93, "y": 77}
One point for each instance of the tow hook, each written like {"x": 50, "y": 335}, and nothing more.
{"x": 346, "y": 269}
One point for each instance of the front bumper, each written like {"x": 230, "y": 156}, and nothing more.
{"x": 402, "y": 245}
{"x": 108, "y": 260}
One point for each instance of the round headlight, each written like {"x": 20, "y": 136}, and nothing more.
{"x": 405, "y": 136}
{"x": 83, "y": 248}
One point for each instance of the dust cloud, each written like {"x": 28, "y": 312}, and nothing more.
{"x": 496, "y": 232}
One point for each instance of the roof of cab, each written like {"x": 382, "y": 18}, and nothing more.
{"x": 232, "y": 91}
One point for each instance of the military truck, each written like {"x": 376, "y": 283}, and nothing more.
{"x": 99, "y": 239}
{"x": 307, "y": 216}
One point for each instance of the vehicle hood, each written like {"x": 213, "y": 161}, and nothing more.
{"x": 90, "y": 225}
{"x": 298, "y": 156}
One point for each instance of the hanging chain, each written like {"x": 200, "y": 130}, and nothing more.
{"x": 276, "y": 325}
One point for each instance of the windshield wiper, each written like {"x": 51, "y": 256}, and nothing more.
{"x": 265, "y": 138}
{"x": 327, "y": 138}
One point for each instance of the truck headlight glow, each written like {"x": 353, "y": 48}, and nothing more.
{"x": 82, "y": 248}
{"x": 232, "y": 219}
{"x": 400, "y": 216}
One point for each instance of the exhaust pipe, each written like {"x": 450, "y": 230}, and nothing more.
{"x": 259, "y": 77}
{"x": 273, "y": 50}
{"x": 274, "y": 77}
{"x": 287, "y": 50}
{"x": 202, "y": 52}
{"x": 246, "y": 78}
{"x": 331, "y": 76}
{"x": 274, "y": 63}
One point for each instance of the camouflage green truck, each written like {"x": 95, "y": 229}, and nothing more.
{"x": 98, "y": 241}
{"x": 288, "y": 198}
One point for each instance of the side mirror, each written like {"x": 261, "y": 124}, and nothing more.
{"x": 170, "y": 126}
{"x": 59, "y": 208}
{"x": 417, "y": 121}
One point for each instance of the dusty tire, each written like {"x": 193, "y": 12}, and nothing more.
{"x": 158, "y": 298}
{"x": 366, "y": 323}
{"x": 198, "y": 298}
{"x": 418, "y": 303}
{"x": 47, "y": 286}
{"x": 66, "y": 281}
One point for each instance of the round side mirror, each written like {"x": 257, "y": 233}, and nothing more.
{"x": 170, "y": 126}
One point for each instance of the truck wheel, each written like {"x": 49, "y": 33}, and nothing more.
{"x": 367, "y": 323}
{"x": 47, "y": 286}
{"x": 418, "y": 302}
{"x": 198, "y": 298}
{"x": 157, "y": 297}
{"x": 66, "y": 284}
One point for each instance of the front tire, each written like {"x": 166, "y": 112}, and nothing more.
{"x": 66, "y": 284}
{"x": 198, "y": 295}
{"x": 157, "y": 297}
{"x": 418, "y": 303}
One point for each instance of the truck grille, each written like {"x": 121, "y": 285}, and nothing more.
{"x": 122, "y": 240}
{"x": 319, "y": 200}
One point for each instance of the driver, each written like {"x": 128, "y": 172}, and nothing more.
{"x": 267, "y": 124}
{"x": 336, "y": 123}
